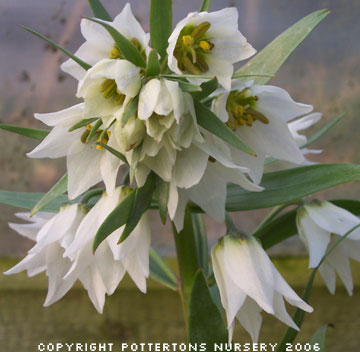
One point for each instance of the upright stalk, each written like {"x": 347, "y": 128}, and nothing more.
{"x": 188, "y": 262}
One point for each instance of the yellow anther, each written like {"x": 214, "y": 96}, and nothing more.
{"x": 89, "y": 127}
{"x": 136, "y": 43}
{"x": 119, "y": 99}
{"x": 205, "y": 46}
{"x": 108, "y": 133}
{"x": 114, "y": 53}
{"x": 242, "y": 121}
{"x": 99, "y": 147}
{"x": 249, "y": 119}
{"x": 200, "y": 30}
{"x": 106, "y": 84}
{"x": 239, "y": 110}
{"x": 188, "y": 40}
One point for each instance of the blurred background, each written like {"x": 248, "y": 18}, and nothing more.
{"x": 323, "y": 71}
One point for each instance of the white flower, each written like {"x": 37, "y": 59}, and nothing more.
{"x": 112, "y": 260}
{"x": 100, "y": 45}
{"x": 208, "y": 43}
{"x": 87, "y": 164}
{"x": 259, "y": 115}
{"x": 320, "y": 225}
{"x": 52, "y": 233}
{"x": 248, "y": 283}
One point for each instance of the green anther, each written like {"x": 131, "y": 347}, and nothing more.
{"x": 115, "y": 53}
{"x": 258, "y": 116}
{"x": 84, "y": 136}
{"x": 201, "y": 64}
{"x": 189, "y": 65}
{"x": 106, "y": 84}
{"x": 110, "y": 90}
{"x": 136, "y": 43}
{"x": 119, "y": 99}
{"x": 200, "y": 30}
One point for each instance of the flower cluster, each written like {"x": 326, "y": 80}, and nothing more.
{"x": 155, "y": 123}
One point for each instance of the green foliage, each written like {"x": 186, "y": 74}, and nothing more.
{"x": 205, "y": 6}
{"x": 127, "y": 49}
{"x": 114, "y": 152}
{"x": 319, "y": 339}
{"x": 142, "y": 201}
{"x": 99, "y": 10}
{"x": 25, "y": 131}
{"x": 130, "y": 110}
{"x": 205, "y": 321}
{"x": 82, "y": 123}
{"x": 162, "y": 196}
{"x": 270, "y": 59}
{"x": 153, "y": 64}
{"x": 207, "y": 119}
{"x": 82, "y": 63}
{"x": 160, "y": 25}
{"x": 201, "y": 242}
{"x": 58, "y": 189}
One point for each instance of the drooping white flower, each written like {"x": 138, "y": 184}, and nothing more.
{"x": 52, "y": 233}
{"x": 259, "y": 115}
{"x": 112, "y": 260}
{"x": 100, "y": 45}
{"x": 208, "y": 44}
{"x": 249, "y": 282}
{"x": 87, "y": 164}
{"x": 320, "y": 225}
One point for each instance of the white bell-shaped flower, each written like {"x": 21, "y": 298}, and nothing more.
{"x": 208, "y": 44}
{"x": 249, "y": 282}
{"x": 320, "y": 225}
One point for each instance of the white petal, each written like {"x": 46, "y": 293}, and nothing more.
{"x": 148, "y": 99}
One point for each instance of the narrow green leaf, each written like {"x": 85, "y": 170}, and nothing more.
{"x": 299, "y": 315}
{"x": 26, "y": 131}
{"x": 99, "y": 10}
{"x": 206, "y": 89}
{"x": 153, "y": 64}
{"x": 188, "y": 87}
{"x": 271, "y": 58}
{"x": 117, "y": 218}
{"x": 27, "y": 200}
{"x": 326, "y": 128}
{"x": 82, "y": 123}
{"x": 58, "y": 189}
{"x": 114, "y": 152}
{"x": 207, "y": 119}
{"x": 82, "y": 63}
{"x": 206, "y": 324}
{"x": 160, "y": 272}
{"x": 205, "y": 6}
{"x": 160, "y": 25}
{"x": 142, "y": 203}
{"x": 128, "y": 49}
{"x": 130, "y": 110}
{"x": 319, "y": 339}
{"x": 93, "y": 130}
{"x": 162, "y": 196}
{"x": 201, "y": 242}
{"x": 290, "y": 185}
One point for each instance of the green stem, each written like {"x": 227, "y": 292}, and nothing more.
{"x": 91, "y": 194}
{"x": 188, "y": 262}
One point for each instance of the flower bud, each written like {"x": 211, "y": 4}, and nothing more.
{"x": 130, "y": 135}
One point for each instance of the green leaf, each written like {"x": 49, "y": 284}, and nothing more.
{"x": 326, "y": 128}
{"x": 114, "y": 152}
{"x": 57, "y": 190}
{"x": 160, "y": 25}
{"x": 205, "y": 6}
{"x": 153, "y": 64}
{"x": 206, "y": 324}
{"x": 117, "y": 218}
{"x": 127, "y": 49}
{"x": 130, "y": 110}
{"x": 142, "y": 201}
{"x": 207, "y": 119}
{"x": 188, "y": 87}
{"x": 160, "y": 272}
{"x": 82, "y": 123}
{"x": 135, "y": 156}
{"x": 284, "y": 226}
{"x": 26, "y": 200}
{"x": 206, "y": 89}
{"x": 162, "y": 196}
{"x": 201, "y": 242}
{"x": 290, "y": 185}
{"x": 99, "y": 10}
{"x": 299, "y": 315}
{"x": 93, "y": 130}
{"x": 82, "y": 63}
{"x": 25, "y": 131}
{"x": 319, "y": 339}
{"x": 271, "y": 58}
